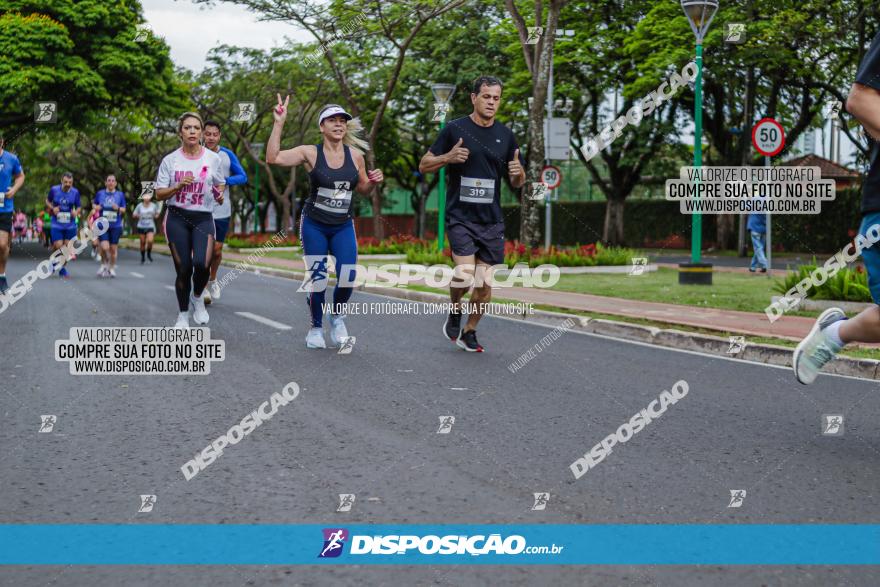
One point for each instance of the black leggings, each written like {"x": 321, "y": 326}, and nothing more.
{"x": 190, "y": 237}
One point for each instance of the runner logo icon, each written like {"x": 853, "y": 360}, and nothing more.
{"x": 737, "y": 496}
{"x": 832, "y": 424}
{"x": 334, "y": 540}
{"x": 346, "y": 500}
{"x": 48, "y": 423}
{"x": 541, "y": 500}
{"x": 147, "y": 503}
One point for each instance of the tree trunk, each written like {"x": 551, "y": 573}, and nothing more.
{"x": 725, "y": 231}
{"x": 375, "y": 200}
{"x": 612, "y": 233}
{"x": 530, "y": 219}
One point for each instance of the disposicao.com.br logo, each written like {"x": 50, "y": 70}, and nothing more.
{"x": 334, "y": 540}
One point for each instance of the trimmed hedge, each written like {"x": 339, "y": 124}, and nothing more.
{"x": 649, "y": 222}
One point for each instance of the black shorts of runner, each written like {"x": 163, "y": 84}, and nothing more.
{"x": 146, "y": 230}
{"x": 484, "y": 240}
{"x": 6, "y": 222}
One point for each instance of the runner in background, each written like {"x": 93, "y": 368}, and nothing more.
{"x": 235, "y": 175}
{"x": 19, "y": 225}
{"x": 146, "y": 213}
{"x": 110, "y": 203}
{"x": 95, "y": 251}
{"x": 38, "y": 227}
{"x": 47, "y": 227}
{"x": 64, "y": 201}
{"x": 11, "y": 180}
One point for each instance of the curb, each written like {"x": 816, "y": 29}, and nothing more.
{"x": 671, "y": 338}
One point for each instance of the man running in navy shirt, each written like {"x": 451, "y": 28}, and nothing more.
{"x": 480, "y": 152}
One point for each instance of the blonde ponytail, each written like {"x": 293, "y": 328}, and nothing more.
{"x": 353, "y": 139}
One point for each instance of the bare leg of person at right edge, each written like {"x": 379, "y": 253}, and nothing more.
{"x": 832, "y": 330}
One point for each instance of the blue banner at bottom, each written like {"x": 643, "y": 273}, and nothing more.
{"x": 621, "y": 544}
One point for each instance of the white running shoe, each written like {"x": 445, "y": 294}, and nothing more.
{"x": 338, "y": 331}
{"x": 200, "y": 314}
{"x": 816, "y": 350}
{"x": 215, "y": 290}
{"x": 182, "y": 320}
{"x": 113, "y": 272}
{"x": 315, "y": 339}
{"x": 101, "y": 270}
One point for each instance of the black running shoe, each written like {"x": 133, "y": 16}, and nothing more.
{"x": 452, "y": 326}
{"x": 3, "y": 285}
{"x": 468, "y": 341}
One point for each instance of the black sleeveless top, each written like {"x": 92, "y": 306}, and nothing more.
{"x": 330, "y": 198}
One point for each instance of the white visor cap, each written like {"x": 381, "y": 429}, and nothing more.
{"x": 333, "y": 111}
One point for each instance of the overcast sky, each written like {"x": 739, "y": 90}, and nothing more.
{"x": 192, "y": 30}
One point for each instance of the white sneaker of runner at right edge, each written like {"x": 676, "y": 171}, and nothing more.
{"x": 200, "y": 314}
{"x": 817, "y": 349}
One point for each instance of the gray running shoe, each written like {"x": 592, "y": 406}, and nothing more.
{"x": 816, "y": 350}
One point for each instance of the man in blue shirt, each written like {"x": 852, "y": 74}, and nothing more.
{"x": 11, "y": 180}
{"x": 64, "y": 202}
{"x": 110, "y": 203}
{"x": 235, "y": 175}
{"x": 757, "y": 226}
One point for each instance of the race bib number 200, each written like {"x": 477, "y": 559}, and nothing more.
{"x": 63, "y": 217}
{"x": 476, "y": 190}
{"x": 110, "y": 215}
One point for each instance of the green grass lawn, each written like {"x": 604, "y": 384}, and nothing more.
{"x": 729, "y": 291}
{"x": 292, "y": 255}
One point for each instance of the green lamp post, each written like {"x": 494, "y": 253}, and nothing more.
{"x": 700, "y": 14}
{"x": 442, "y": 96}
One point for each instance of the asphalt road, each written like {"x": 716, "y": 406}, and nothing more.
{"x": 366, "y": 423}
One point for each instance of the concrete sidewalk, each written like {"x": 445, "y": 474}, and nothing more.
{"x": 748, "y": 323}
{"x": 792, "y": 328}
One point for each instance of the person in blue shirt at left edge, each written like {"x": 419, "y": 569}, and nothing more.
{"x": 64, "y": 202}
{"x": 11, "y": 180}
{"x": 110, "y": 204}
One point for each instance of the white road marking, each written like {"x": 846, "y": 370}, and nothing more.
{"x": 458, "y": 388}
{"x": 136, "y": 274}
{"x": 266, "y": 321}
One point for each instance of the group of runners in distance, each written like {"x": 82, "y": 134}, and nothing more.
{"x": 478, "y": 151}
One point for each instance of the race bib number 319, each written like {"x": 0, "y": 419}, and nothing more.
{"x": 477, "y": 191}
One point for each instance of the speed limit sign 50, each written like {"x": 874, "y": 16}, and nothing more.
{"x": 551, "y": 176}
{"x": 768, "y": 137}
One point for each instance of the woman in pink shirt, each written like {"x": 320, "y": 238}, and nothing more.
{"x": 191, "y": 180}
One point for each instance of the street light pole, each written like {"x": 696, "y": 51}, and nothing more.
{"x": 699, "y": 14}
{"x": 697, "y": 219}
{"x": 442, "y": 97}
